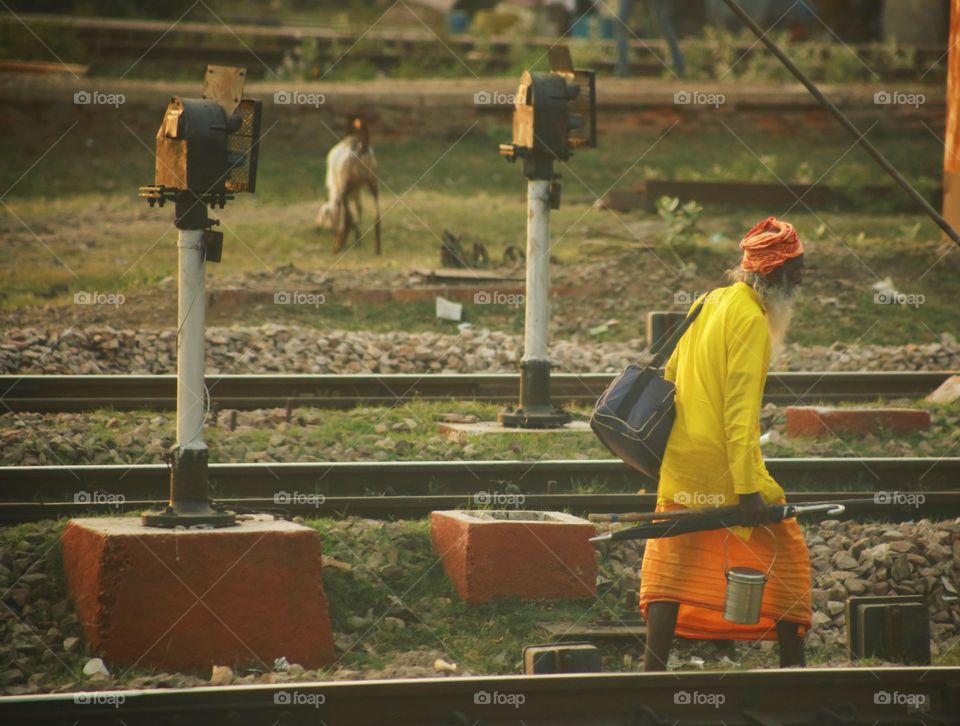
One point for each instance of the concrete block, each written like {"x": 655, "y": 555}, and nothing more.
{"x": 947, "y": 392}
{"x": 186, "y": 600}
{"x": 506, "y": 553}
{"x": 824, "y": 422}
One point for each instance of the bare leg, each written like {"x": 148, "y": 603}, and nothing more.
{"x": 791, "y": 645}
{"x": 375, "y": 191}
{"x": 345, "y": 221}
{"x": 358, "y": 219}
{"x": 661, "y": 622}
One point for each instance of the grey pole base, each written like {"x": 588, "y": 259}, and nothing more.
{"x": 524, "y": 419}
{"x": 535, "y": 410}
{"x": 189, "y": 501}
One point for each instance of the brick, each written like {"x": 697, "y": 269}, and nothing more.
{"x": 259, "y": 586}
{"x": 497, "y": 554}
{"x": 823, "y": 422}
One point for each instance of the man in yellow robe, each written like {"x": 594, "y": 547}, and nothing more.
{"x": 713, "y": 459}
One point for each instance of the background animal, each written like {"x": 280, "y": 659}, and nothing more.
{"x": 351, "y": 168}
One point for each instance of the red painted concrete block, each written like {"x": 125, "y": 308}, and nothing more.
{"x": 494, "y": 554}
{"x": 821, "y": 422}
{"x": 186, "y": 600}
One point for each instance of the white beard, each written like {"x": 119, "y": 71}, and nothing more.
{"x": 779, "y": 307}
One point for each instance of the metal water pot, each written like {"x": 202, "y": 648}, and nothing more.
{"x": 744, "y": 594}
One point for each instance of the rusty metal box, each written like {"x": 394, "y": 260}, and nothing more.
{"x": 894, "y": 628}
{"x": 566, "y": 658}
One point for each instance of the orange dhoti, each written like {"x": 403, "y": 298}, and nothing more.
{"x": 688, "y": 569}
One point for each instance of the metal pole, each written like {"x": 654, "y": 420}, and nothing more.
{"x": 537, "y": 309}
{"x": 191, "y": 309}
{"x": 845, "y": 122}
{"x": 535, "y": 409}
{"x": 189, "y": 487}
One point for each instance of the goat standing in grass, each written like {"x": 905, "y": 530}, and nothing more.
{"x": 351, "y": 168}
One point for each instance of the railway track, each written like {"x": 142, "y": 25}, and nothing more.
{"x": 888, "y": 487}
{"x": 860, "y": 505}
{"x": 370, "y": 478}
{"x": 53, "y": 393}
{"x": 826, "y": 697}
{"x": 126, "y": 40}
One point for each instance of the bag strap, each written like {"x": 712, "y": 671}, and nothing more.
{"x": 667, "y": 349}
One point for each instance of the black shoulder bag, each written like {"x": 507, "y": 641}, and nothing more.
{"x": 634, "y": 416}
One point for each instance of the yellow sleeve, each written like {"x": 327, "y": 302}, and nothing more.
{"x": 748, "y": 356}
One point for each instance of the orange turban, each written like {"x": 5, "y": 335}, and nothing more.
{"x": 768, "y": 245}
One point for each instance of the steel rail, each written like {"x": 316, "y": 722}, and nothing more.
{"x": 74, "y": 393}
{"x": 732, "y": 698}
{"x": 884, "y": 477}
{"x": 457, "y": 477}
{"x": 415, "y": 488}
{"x": 860, "y": 505}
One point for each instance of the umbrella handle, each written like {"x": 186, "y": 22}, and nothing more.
{"x": 829, "y": 509}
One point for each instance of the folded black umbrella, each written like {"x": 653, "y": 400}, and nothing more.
{"x": 717, "y": 519}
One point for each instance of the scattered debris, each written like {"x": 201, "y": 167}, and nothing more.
{"x": 442, "y": 666}
{"x": 453, "y": 254}
{"x": 95, "y": 666}
{"x": 773, "y": 437}
{"x": 221, "y": 676}
{"x": 466, "y": 418}
{"x": 603, "y": 328}
{"x": 446, "y": 274}
{"x": 448, "y": 310}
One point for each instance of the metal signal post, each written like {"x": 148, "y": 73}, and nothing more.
{"x": 555, "y": 113}
{"x": 206, "y": 151}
